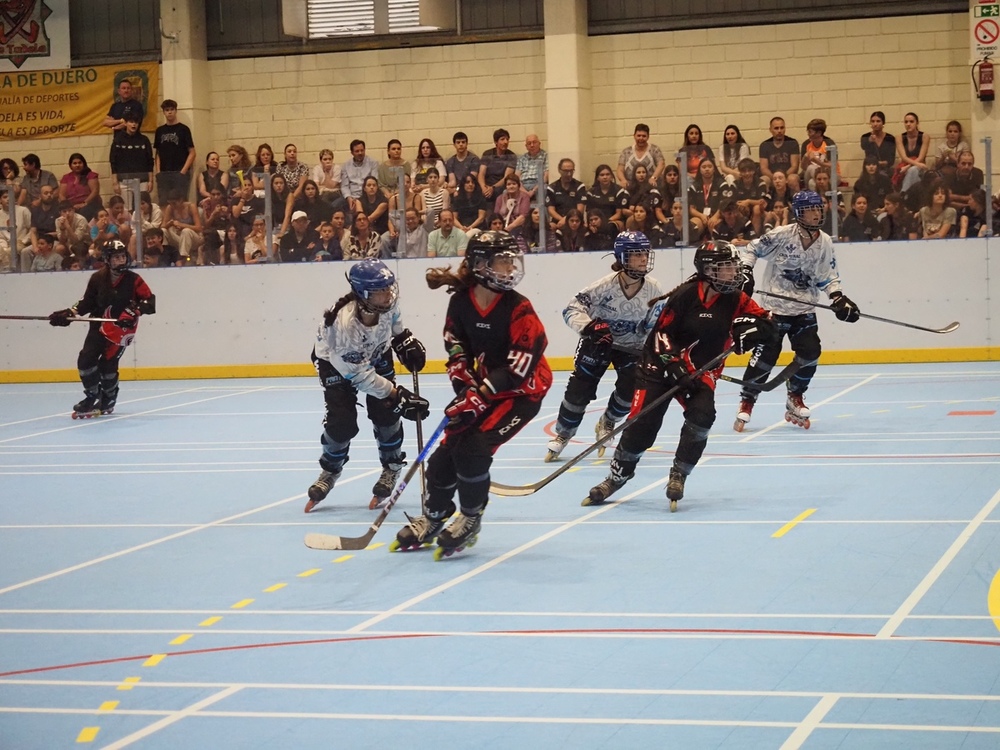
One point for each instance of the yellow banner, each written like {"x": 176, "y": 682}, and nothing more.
{"x": 72, "y": 102}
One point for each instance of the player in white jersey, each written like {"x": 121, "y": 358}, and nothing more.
{"x": 608, "y": 315}
{"x": 352, "y": 355}
{"x": 800, "y": 264}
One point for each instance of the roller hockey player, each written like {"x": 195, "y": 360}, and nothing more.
{"x": 112, "y": 292}
{"x": 694, "y": 324}
{"x": 610, "y": 311}
{"x": 352, "y": 355}
{"x": 801, "y": 264}
{"x": 496, "y": 364}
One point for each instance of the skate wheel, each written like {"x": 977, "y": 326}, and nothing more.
{"x": 472, "y": 542}
{"x": 673, "y": 506}
{"x": 551, "y": 456}
{"x": 590, "y": 501}
{"x": 601, "y": 450}
{"x": 74, "y": 415}
{"x": 373, "y": 503}
{"x": 738, "y": 425}
{"x": 440, "y": 553}
{"x": 310, "y": 505}
{"x": 394, "y": 545}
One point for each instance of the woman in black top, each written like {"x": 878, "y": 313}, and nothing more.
{"x": 317, "y": 208}
{"x": 374, "y": 205}
{"x": 606, "y": 199}
{"x": 469, "y": 205}
{"x": 880, "y": 144}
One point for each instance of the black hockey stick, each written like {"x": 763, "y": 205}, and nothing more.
{"x": 331, "y": 542}
{"x": 508, "y": 490}
{"x": 947, "y": 329}
{"x": 46, "y": 317}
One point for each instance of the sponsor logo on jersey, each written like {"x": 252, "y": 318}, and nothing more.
{"x": 483, "y": 325}
{"x": 353, "y": 358}
{"x": 510, "y": 425}
{"x": 705, "y": 315}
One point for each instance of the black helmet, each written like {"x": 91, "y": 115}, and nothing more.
{"x": 111, "y": 249}
{"x": 483, "y": 253}
{"x": 711, "y": 257}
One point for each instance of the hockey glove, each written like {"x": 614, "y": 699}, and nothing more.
{"x": 748, "y": 282}
{"x": 749, "y": 331}
{"x": 675, "y": 372}
{"x": 466, "y": 409}
{"x": 409, "y": 405}
{"x": 844, "y": 308}
{"x": 598, "y": 332}
{"x": 460, "y": 375}
{"x": 410, "y": 351}
{"x": 61, "y": 317}
{"x": 128, "y": 319}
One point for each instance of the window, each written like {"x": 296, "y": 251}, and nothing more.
{"x": 330, "y": 18}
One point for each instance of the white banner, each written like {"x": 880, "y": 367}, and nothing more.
{"x": 34, "y": 35}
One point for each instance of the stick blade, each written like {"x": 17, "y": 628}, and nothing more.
{"x": 949, "y": 328}
{"x": 324, "y": 541}
{"x": 508, "y": 490}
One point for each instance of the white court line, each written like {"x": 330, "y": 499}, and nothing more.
{"x": 64, "y": 414}
{"x": 835, "y": 396}
{"x": 935, "y": 572}
{"x": 171, "y": 537}
{"x": 812, "y": 720}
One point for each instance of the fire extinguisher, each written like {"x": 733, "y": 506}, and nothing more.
{"x": 983, "y": 79}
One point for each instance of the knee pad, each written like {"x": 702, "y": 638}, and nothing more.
{"x": 694, "y": 431}
{"x": 390, "y": 441}
{"x": 618, "y": 406}
{"x": 581, "y": 389}
{"x": 340, "y": 426}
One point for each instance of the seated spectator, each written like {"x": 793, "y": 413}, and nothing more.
{"x": 374, "y": 205}
{"x": 779, "y": 154}
{"x": 71, "y": 263}
{"x": 447, "y": 241}
{"x": 158, "y": 254}
{"x": 326, "y": 175}
{"x": 316, "y": 207}
{"x": 607, "y": 199}
{"x": 779, "y": 216}
{"x": 673, "y": 230}
{"x": 82, "y": 187}
{"x": 432, "y": 199}
{"x": 212, "y": 177}
{"x": 734, "y": 150}
{"x": 462, "y": 163}
{"x": 496, "y": 165}
{"x": 825, "y": 189}
{"x": 102, "y": 230}
{"x": 263, "y": 168}
{"x": 671, "y": 187}
{"x": 469, "y": 206}
{"x": 572, "y": 232}
{"x": 731, "y": 225}
{"x": 394, "y": 167}
{"x": 33, "y": 179}
{"x": 362, "y": 242}
{"x": 255, "y": 248}
{"x": 513, "y": 205}
{"x": 779, "y": 191}
{"x": 912, "y": 151}
{"x": 416, "y": 239}
{"x": 967, "y": 179}
{"x": 233, "y": 247}
{"x": 937, "y": 217}
{"x": 45, "y": 211}
{"x": 298, "y": 243}
{"x": 898, "y": 223}
{"x": 531, "y": 237}
{"x": 246, "y": 208}
{"x": 240, "y": 167}
{"x": 880, "y": 144}
{"x": 131, "y": 156}
{"x": 641, "y": 152}
{"x": 815, "y": 152}
{"x": 706, "y": 193}
{"x": 24, "y": 233}
{"x": 46, "y": 258}
{"x": 182, "y": 225}
{"x": 565, "y": 194}
{"x": 696, "y": 150}
{"x": 5, "y": 254}
{"x": 643, "y": 220}
{"x": 72, "y": 231}
{"x": 972, "y": 217}
{"x": 122, "y": 219}
{"x": 354, "y": 171}
{"x": 750, "y": 194}
{"x": 150, "y": 214}
{"x": 397, "y": 207}
{"x": 859, "y": 225}
{"x": 599, "y": 236}
{"x": 873, "y": 185}
{"x": 532, "y": 166}
{"x": 427, "y": 158}
{"x": 11, "y": 179}
{"x": 328, "y": 248}
{"x": 216, "y": 219}
{"x": 282, "y": 202}
{"x": 494, "y": 222}
{"x": 953, "y": 146}
{"x": 640, "y": 190}
{"x": 294, "y": 171}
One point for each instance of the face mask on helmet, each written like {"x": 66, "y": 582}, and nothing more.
{"x": 633, "y": 254}
{"x": 501, "y": 270}
{"x": 374, "y": 286}
{"x": 809, "y": 209}
{"x": 116, "y": 257}
{"x": 718, "y": 263}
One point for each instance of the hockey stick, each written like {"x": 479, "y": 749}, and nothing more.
{"x": 420, "y": 447}
{"x": 947, "y": 329}
{"x": 46, "y": 317}
{"x": 331, "y": 542}
{"x": 508, "y": 490}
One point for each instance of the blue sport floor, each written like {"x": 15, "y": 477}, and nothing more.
{"x": 830, "y": 588}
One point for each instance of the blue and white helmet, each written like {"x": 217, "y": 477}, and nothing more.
{"x": 804, "y": 200}
{"x": 629, "y": 244}
{"x": 369, "y": 276}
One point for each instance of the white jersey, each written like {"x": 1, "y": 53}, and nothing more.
{"x": 353, "y": 348}
{"x": 605, "y": 299}
{"x": 792, "y": 270}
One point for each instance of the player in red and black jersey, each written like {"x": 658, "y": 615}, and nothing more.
{"x": 497, "y": 366}
{"x": 694, "y": 323}
{"x": 112, "y": 292}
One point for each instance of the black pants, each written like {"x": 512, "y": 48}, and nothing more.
{"x": 589, "y": 366}
{"x": 98, "y": 365}
{"x": 803, "y": 335}
{"x": 462, "y": 460}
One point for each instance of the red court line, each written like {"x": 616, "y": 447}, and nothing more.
{"x": 972, "y": 413}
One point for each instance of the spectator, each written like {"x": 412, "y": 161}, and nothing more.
{"x": 416, "y": 239}
{"x": 397, "y": 206}
{"x": 641, "y": 152}
{"x": 951, "y": 147}
{"x": 430, "y": 201}
{"x": 217, "y": 218}
{"x": 10, "y": 173}
{"x": 873, "y": 184}
{"x": 355, "y": 170}
{"x": 533, "y": 166}
{"x": 162, "y": 255}
{"x": 72, "y": 231}
{"x": 393, "y": 168}
{"x": 898, "y": 223}
{"x": 972, "y": 217}
{"x": 731, "y": 225}
{"x": 374, "y": 205}
{"x": 734, "y": 150}
{"x": 462, "y": 163}
{"x": 25, "y": 235}
{"x": 131, "y": 156}
{"x": 572, "y": 232}
{"x": 643, "y": 220}
{"x": 233, "y": 247}
{"x": 531, "y": 237}
{"x": 102, "y": 230}
{"x": 239, "y": 168}
{"x": 299, "y": 243}
{"x": 780, "y": 154}
{"x": 815, "y": 152}
{"x": 912, "y": 151}
{"x": 880, "y": 144}
{"x": 122, "y": 219}
{"x": 315, "y": 206}
{"x": 447, "y": 241}
{"x": 294, "y": 171}
{"x": 937, "y": 217}
{"x": 859, "y": 225}
{"x": 150, "y": 215}
{"x": 326, "y": 175}
{"x": 513, "y": 205}
{"x": 825, "y": 189}
{"x": 45, "y": 212}
{"x": 34, "y": 179}
{"x": 671, "y": 185}
{"x": 696, "y": 149}
{"x": 706, "y": 194}
{"x": 263, "y": 168}
{"x": 967, "y": 179}
{"x": 246, "y": 208}
{"x": 750, "y": 195}
{"x": 495, "y": 222}
{"x": 607, "y": 199}
{"x": 427, "y": 158}
{"x": 565, "y": 194}
{"x": 641, "y": 191}
{"x": 362, "y": 242}
{"x": 496, "y": 165}
{"x": 255, "y": 248}
{"x": 182, "y": 225}
{"x": 779, "y": 191}
{"x": 175, "y": 154}
{"x": 81, "y": 187}
{"x": 46, "y": 259}
{"x": 673, "y": 230}
{"x": 212, "y": 177}
{"x": 282, "y": 202}
{"x": 328, "y": 248}
{"x": 598, "y": 237}
{"x": 469, "y": 206}
{"x": 124, "y": 106}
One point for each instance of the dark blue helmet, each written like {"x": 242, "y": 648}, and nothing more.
{"x": 369, "y": 276}
{"x": 630, "y": 245}
{"x": 804, "y": 200}
{"x": 496, "y": 260}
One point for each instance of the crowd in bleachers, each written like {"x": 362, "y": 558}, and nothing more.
{"x": 909, "y": 188}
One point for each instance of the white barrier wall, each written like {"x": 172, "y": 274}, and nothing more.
{"x": 257, "y": 320}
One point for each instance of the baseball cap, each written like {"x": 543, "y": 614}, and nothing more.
{"x": 299, "y": 215}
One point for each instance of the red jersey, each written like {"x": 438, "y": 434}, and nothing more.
{"x": 105, "y": 298}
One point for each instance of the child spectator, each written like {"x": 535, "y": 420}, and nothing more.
{"x": 131, "y": 155}
{"x": 898, "y": 223}
{"x": 607, "y": 199}
{"x": 859, "y": 225}
{"x": 953, "y": 146}
{"x": 326, "y": 175}
{"x": 706, "y": 193}
{"x": 696, "y": 149}
{"x": 815, "y": 152}
{"x": 328, "y": 248}
{"x": 750, "y": 194}
{"x": 598, "y": 237}
{"x": 643, "y": 220}
{"x": 158, "y": 254}
{"x": 46, "y": 259}
{"x": 972, "y": 217}
{"x": 873, "y": 184}
{"x": 572, "y": 232}
{"x": 937, "y": 217}
{"x": 641, "y": 190}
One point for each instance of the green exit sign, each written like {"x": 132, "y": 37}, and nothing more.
{"x": 987, "y": 11}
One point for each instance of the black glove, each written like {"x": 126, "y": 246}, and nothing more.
{"x": 128, "y": 318}
{"x": 460, "y": 375}
{"x": 844, "y": 308}
{"x": 675, "y": 372}
{"x": 749, "y": 331}
{"x": 410, "y": 351}
{"x": 466, "y": 409}
{"x": 598, "y": 332}
{"x": 61, "y": 317}
{"x": 748, "y": 283}
{"x": 409, "y": 405}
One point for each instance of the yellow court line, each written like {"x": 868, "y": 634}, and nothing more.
{"x": 275, "y": 587}
{"x": 343, "y": 558}
{"x": 209, "y": 622}
{"x": 128, "y": 683}
{"x": 841, "y": 416}
{"x": 242, "y": 603}
{"x": 375, "y": 545}
{"x": 791, "y": 524}
{"x": 183, "y": 638}
{"x": 310, "y": 572}
{"x": 918, "y": 406}
{"x": 87, "y": 734}
{"x": 108, "y": 706}
{"x": 153, "y": 660}
{"x": 881, "y": 411}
